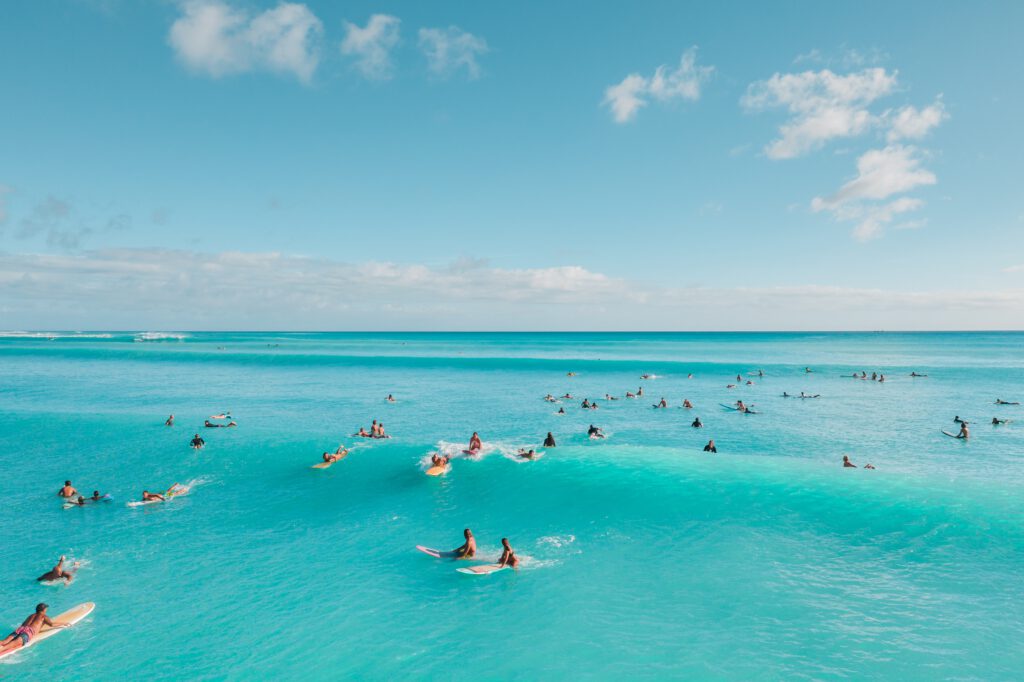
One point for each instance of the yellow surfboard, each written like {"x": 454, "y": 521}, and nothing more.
{"x": 68, "y": 618}
{"x": 327, "y": 465}
{"x": 437, "y": 471}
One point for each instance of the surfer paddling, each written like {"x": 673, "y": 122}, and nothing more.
{"x": 58, "y": 573}
{"x": 152, "y": 497}
{"x": 331, "y": 457}
{"x": 595, "y": 432}
{"x": 29, "y": 628}
{"x": 999, "y": 401}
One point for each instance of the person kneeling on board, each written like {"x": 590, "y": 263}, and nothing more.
{"x": 508, "y": 557}
{"x": 29, "y": 628}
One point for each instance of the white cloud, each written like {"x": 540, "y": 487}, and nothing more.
{"x": 881, "y": 173}
{"x": 912, "y": 124}
{"x": 1014, "y": 268}
{"x": 683, "y": 82}
{"x": 450, "y": 49}
{"x": 160, "y": 289}
{"x": 824, "y": 106}
{"x": 218, "y": 39}
{"x": 371, "y": 46}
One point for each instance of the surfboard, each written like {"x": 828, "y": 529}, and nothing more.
{"x": 471, "y": 452}
{"x": 483, "y": 569}
{"x": 952, "y": 435}
{"x": 436, "y": 553}
{"x": 437, "y": 471}
{"x": 69, "y": 617}
{"x": 327, "y": 465}
{"x": 736, "y": 409}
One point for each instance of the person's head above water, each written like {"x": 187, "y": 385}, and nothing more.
{"x": 41, "y": 607}
{"x": 504, "y": 543}
{"x": 67, "y": 482}
{"x": 467, "y": 533}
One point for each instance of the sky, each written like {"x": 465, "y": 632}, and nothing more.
{"x": 576, "y": 165}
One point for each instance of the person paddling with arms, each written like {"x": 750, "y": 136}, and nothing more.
{"x": 29, "y": 628}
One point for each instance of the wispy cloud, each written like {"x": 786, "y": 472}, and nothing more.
{"x": 371, "y": 46}
{"x": 449, "y": 50}
{"x": 911, "y": 123}
{"x": 824, "y": 106}
{"x": 154, "y": 288}
{"x": 215, "y": 38}
{"x": 61, "y": 226}
{"x": 684, "y": 81}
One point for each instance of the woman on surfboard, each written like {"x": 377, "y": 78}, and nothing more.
{"x": 508, "y": 557}
{"x": 475, "y": 444}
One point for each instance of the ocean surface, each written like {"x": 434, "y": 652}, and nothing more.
{"x": 642, "y": 556}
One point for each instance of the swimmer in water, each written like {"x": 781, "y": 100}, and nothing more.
{"x": 567, "y": 397}
{"x": 661, "y": 404}
{"x": 915, "y": 374}
{"x": 687, "y": 404}
{"x": 996, "y": 421}
{"x": 468, "y": 548}
{"x": 58, "y": 573}
{"x": 869, "y": 466}
{"x": 549, "y": 441}
{"x": 739, "y": 379}
{"x": 29, "y": 628}
{"x": 697, "y": 424}
{"x": 475, "y": 444}
{"x": 197, "y": 442}
{"x": 390, "y": 398}
{"x": 508, "y": 557}
{"x": 67, "y": 490}
{"x": 689, "y": 376}
{"x": 561, "y": 410}
{"x": 786, "y": 395}
{"x": 148, "y": 496}
{"x": 608, "y": 396}
{"x": 527, "y": 454}
{"x": 710, "y": 447}
{"x": 170, "y": 421}
{"x": 808, "y": 370}
{"x": 1004, "y": 402}
{"x": 96, "y": 497}
{"x": 585, "y": 404}
{"x": 630, "y": 394}
{"x": 847, "y": 464}
{"x": 570, "y": 374}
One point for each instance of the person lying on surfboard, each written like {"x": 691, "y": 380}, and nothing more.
{"x": 527, "y": 454}
{"x": 57, "y": 573}
{"x": 67, "y": 490}
{"x": 475, "y": 444}
{"x": 508, "y": 557}
{"x": 29, "y": 628}
{"x": 148, "y": 496}
{"x": 336, "y": 455}
{"x": 1004, "y": 402}
{"x": 996, "y": 421}
{"x": 439, "y": 461}
{"x": 468, "y": 548}
{"x": 170, "y": 421}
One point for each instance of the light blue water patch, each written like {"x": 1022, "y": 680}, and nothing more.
{"x": 642, "y": 556}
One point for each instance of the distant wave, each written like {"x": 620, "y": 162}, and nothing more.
{"x": 53, "y": 335}
{"x": 160, "y": 336}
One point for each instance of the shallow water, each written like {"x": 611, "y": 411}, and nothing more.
{"x": 642, "y": 556}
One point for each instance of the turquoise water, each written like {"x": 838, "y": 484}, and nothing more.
{"x": 642, "y": 556}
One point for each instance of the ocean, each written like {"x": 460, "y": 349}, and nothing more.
{"x": 642, "y": 556}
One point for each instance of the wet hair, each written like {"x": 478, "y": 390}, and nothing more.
{"x": 67, "y": 482}
{"x": 504, "y": 541}
{"x": 467, "y": 532}
{"x": 41, "y": 606}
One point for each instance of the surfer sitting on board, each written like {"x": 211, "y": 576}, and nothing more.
{"x": 964, "y": 431}
{"x": 697, "y": 423}
{"x": 847, "y": 464}
{"x": 29, "y": 629}
{"x": 149, "y": 497}
{"x": 57, "y": 573}
{"x": 687, "y": 404}
{"x": 710, "y": 447}
{"x": 362, "y": 433}
{"x": 549, "y": 440}
{"x": 391, "y": 398}
{"x": 508, "y": 557}
{"x": 661, "y": 404}
{"x": 475, "y": 444}
{"x": 468, "y": 548}
{"x": 197, "y": 442}
{"x": 170, "y": 421}
{"x": 67, "y": 490}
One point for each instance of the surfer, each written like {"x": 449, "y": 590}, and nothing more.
{"x": 964, "y": 431}
{"x": 211, "y": 425}
{"x": 645, "y": 376}
{"x": 740, "y": 406}
{"x": 567, "y": 396}
{"x": 527, "y": 454}
{"x": 508, "y": 557}
{"x": 786, "y": 395}
{"x": 381, "y": 433}
{"x": 362, "y": 433}
{"x": 630, "y": 394}
{"x": 1004, "y": 402}
{"x": 739, "y": 379}
{"x": 197, "y": 442}
{"x": 67, "y": 490}
{"x": 475, "y": 444}
{"x": 585, "y": 404}
{"x": 595, "y": 432}
{"x": 80, "y": 501}
{"x": 438, "y": 460}
{"x": 808, "y": 370}
{"x": 915, "y": 374}
{"x": 696, "y": 423}
{"x": 330, "y": 457}
{"x": 391, "y": 398}
{"x": 468, "y": 548}
{"x": 57, "y": 573}
{"x": 847, "y": 464}
{"x": 561, "y": 410}
{"x": 710, "y": 447}
{"x": 550, "y": 398}
{"x": 549, "y": 441}
{"x": 170, "y": 421}
{"x": 608, "y": 396}
{"x": 996, "y": 421}
{"x": 639, "y": 392}
{"x": 29, "y": 628}
{"x": 661, "y": 404}
{"x": 687, "y": 404}
{"x": 957, "y": 420}
{"x": 151, "y": 497}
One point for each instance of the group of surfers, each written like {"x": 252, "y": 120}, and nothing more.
{"x": 376, "y": 431}
{"x": 468, "y": 550}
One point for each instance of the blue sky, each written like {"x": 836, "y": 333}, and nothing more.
{"x": 460, "y": 165}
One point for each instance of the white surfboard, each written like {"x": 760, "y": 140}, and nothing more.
{"x": 68, "y": 618}
{"x": 483, "y": 569}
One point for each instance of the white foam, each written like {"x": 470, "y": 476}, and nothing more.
{"x": 160, "y": 336}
